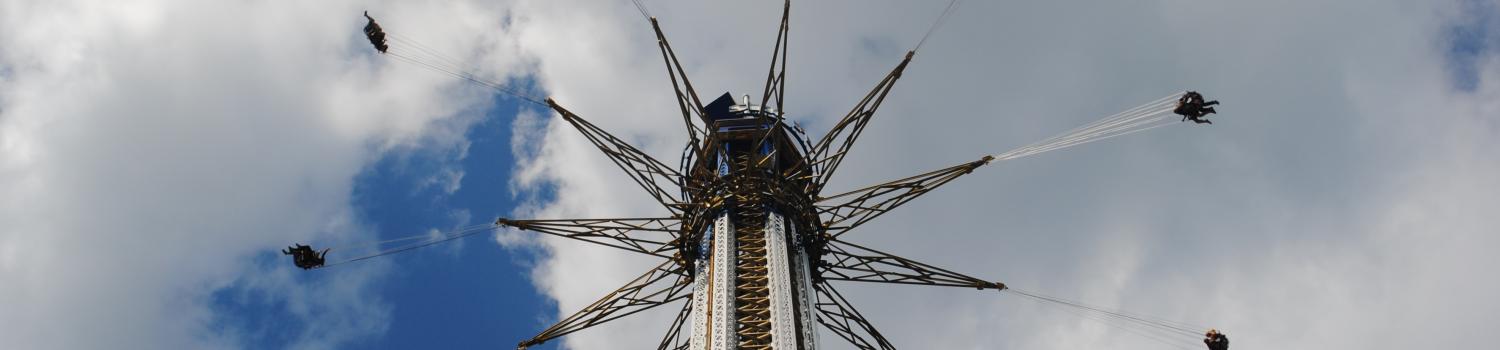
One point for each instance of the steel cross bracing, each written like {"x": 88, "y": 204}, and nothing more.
{"x": 673, "y": 340}
{"x": 687, "y": 98}
{"x": 827, "y": 159}
{"x": 653, "y": 236}
{"x": 645, "y": 170}
{"x": 663, "y": 284}
{"x": 860, "y": 206}
{"x": 781, "y": 174}
{"x": 850, "y": 262}
{"x": 836, "y": 314}
{"x": 776, "y": 77}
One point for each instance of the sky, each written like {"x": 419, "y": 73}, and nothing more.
{"x": 156, "y": 154}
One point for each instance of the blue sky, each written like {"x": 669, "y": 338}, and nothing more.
{"x": 155, "y": 155}
{"x": 1471, "y": 39}
{"x": 460, "y": 295}
{"x": 477, "y": 296}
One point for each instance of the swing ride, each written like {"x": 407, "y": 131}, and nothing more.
{"x": 750, "y": 244}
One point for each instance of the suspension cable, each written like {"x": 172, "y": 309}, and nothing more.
{"x": 942, "y": 18}
{"x": 405, "y": 238}
{"x": 445, "y": 238}
{"x": 1177, "y": 328}
{"x": 642, "y": 8}
{"x": 470, "y": 77}
{"x": 1145, "y": 117}
{"x": 1171, "y": 340}
{"x": 413, "y": 51}
{"x": 450, "y": 60}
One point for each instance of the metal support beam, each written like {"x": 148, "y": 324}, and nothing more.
{"x": 850, "y": 262}
{"x": 826, "y": 159}
{"x": 682, "y": 88}
{"x": 835, "y": 313}
{"x": 663, "y": 284}
{"x": 776, "y": 77}
{"x": 865, "y": 204}
{"x": 650, "y": 236}
{"x": 673, "y": 340}
{"x": 646, "y": 171}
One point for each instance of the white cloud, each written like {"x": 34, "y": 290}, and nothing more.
{"x": 155, "y": 152}
{"x": 1339, "y": 201}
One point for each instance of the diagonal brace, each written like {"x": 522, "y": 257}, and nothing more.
{"x": 860, "y": 206}
{"x": 664, "y": 284}
{"x": 850, "y": 262}
{"x": 646, "y": 171}
{"x": 836, "y": 314}
{"x": 825, "y": 157}
{"x": 776, "y": 76}
{"x": 673, "y": 339}
{"x": 650, "y": 236}
{"x": 682, "y": 88}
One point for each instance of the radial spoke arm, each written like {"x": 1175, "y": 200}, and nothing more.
{"x": 848, "y": 210}
{"x": 850, "y": 262}
{"x": 663, "y": 284}
{"x": 673, "y": 340}
{"x": 776, "y": 77}
{"x": 645, "y": 170}
{"x": 682, "y": 88}
{"x": 829, "y": 152}
{"x": 651, "y": 236}
{"x": 835, "y": 313}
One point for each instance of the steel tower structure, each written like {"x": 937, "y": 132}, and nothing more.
{"x": 751, "y": 243}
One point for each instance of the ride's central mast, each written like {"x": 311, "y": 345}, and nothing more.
{"x": 751, "y": 268}
{"x": 751, "y": 242}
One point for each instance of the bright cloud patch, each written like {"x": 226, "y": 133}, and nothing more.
{"x": 154, "y": 156}
{"x": 1339, "y": 194}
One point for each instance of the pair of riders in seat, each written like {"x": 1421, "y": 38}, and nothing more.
{"x": 1192, "y": 106}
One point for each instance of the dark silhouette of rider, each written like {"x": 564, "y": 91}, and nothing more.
{"x": 1216, "y": 340}
{"x": 304, "y": 256}
{"x": 1191, "y": 106}
{"x": 375, "y": 34}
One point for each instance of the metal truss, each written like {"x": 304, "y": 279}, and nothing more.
{"x": 848, "y": 129}
{"x": 673, "y": 340}
{"x": 682, "y": 88}
{"x": 664, "y": 284}
{"x": 835, "y": 313}
{"x": 657, "y": 238}
{"x": 850, "y": 262}
{"x": 865, "y": 204}
{"x": 776, "y": 77}
{"x": 642, "y": 168}
{"x": 788, "y": 180}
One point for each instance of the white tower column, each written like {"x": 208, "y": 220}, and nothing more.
{"x": 714, "y": 323}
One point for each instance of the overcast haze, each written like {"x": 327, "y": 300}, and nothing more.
{"x": 154, "y": 155}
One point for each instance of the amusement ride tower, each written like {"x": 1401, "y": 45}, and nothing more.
{"x": 752, "y": 241}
